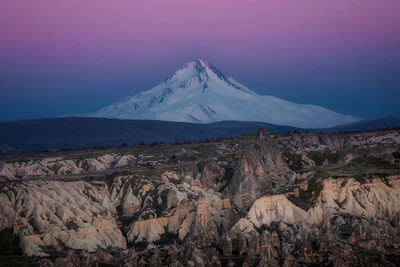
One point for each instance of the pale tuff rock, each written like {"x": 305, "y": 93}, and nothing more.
{"x": 67, "y": 167}
{"x": 124, "y": 160}
{"x": 243, "y": 226}
{"x": 77, "y": 218}
{"x": 369, "y": 200}
{"x": 199, "y": 219}
{"x": 148, "y": 230}
{"x": 101, "y": 233}
{"x": 314, "y": 141}
{"x": 31, "y": 245}
{"x": 131, "y": 204}
{"x": 367, "y": 217}
{"x": 8, "y": 170}
{"x": 211, "y": 176}
{"x": 275, "y": 209}
{"x": 52, "y": 167}
{"x": 174, "y": 197}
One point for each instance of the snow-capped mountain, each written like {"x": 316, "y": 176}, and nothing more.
{"x": 198, "y": 92}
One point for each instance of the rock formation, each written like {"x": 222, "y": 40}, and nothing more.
{"x": 257, "y": 200}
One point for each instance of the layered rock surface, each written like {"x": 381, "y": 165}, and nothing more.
{"x": 245, "y": 202}
{"x": 260, "y": 169}
{"x": 59, "y": 166}
{"x": 48, "y": 214}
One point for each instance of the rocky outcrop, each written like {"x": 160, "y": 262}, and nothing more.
{"x": 335, "y": 207}
{"x": 130, "y": 204}
{"x": 306, "y": 141}
{"x": 200, "y": 219}
{"x": 338, "y": 196}
{"x": 364, "y": 215}
{"x": 57, "y": 214}
{"x": 260, "y": 169}
{"x": 59, "y": 166}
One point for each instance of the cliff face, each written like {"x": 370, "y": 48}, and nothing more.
{"x": 56, "y": 214}
{"x": 59, "y": 166}
{"x": 346, "y": 219}
{"x": 239, "y": 202}
{"x": 259, "y": 169}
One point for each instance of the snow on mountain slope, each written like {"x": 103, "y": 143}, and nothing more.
{"x": 198, "y": 92}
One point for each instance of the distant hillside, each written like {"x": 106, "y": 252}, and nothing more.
{"x": 74, "y": 133}
{"x": 368, "y": 124}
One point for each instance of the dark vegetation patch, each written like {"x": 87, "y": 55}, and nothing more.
{"x": 138, "y": 245}
{"x": 201, "y": 165}
{"x": 229, "y": 171}
{"x": 10, "y": 252}
{"x": 369, "y": 257}
{"x": 167, "y": 238}
{"x": 53, "y": 252}
{"x": 362, "y": 179}
{"x": 148, "y": 214}
{"x": 55, "y": 168}
{"x": 163, "y": 205}
{"x": 396, "y": 155}
{"x": 346, "y": 230}
{"x": 293, "y": 160}
{"x": 273, "y": 227}
{"x": 361, "y": 169}
{"x": 71, "y": 225}
{"x": 320, "y": 156}
{"x": 9, "y": 243}
{"x": 227, "y": 157}
{"x": 393, "y": 258}
{"x": 236, "y": 257}
{"x": 204, "y": 148}
{"x": 108, "y": 179}
{"x": 137, "y": 174}
{"x": 372, "y": 161}
{"x": 84, "y": 164}
{"x": 306, "y": 198}
{"x": 154, "y": 172}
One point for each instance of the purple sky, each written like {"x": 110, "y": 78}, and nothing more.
{"x": 59, "y": 57}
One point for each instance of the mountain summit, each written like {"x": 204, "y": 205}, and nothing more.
{"x": 199, "y": 92}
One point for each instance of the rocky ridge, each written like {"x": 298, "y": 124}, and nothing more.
{"x": 258, "y": 200}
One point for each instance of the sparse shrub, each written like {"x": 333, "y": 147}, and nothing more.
{"x": 320, "y": 156}
{"x": 293, "y": 160}
{"x": 396, "y": 155}
{"x": 55, "y": 168}
{"x": 71, "y": 225}
{"x": 52, "y": 251}
{"x": 200, "y": 165}
{"x": 153, "y": 144}
{"x": 9, "y": 243}
{"x": 306, "y": 197}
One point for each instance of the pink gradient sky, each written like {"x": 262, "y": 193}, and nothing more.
{"x": 66, "y": 49}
